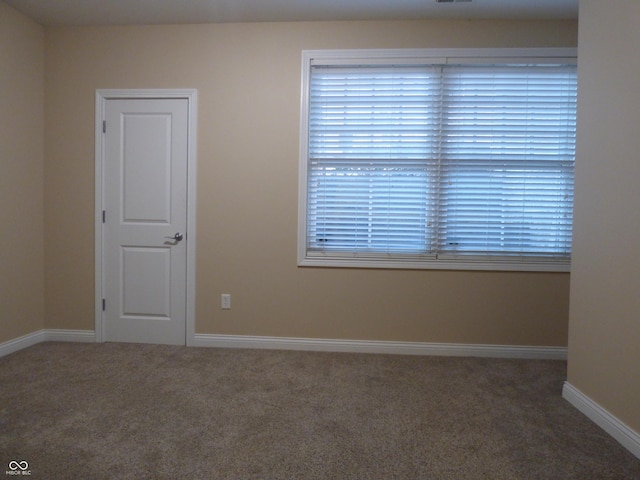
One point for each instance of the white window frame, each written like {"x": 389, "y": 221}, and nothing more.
{"x": 406, "y": 56}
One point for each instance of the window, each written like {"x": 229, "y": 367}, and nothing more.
{"x": 457, "y": 159}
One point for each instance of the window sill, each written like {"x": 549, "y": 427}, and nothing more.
{"x": 433, "y": 263}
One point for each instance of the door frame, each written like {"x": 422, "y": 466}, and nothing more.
{"x": 102, "y": 96}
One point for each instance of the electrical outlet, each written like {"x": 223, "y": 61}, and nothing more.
{"x": 225, "y": 301}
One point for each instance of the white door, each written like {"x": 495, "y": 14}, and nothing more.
{"x": 145, "y": 220}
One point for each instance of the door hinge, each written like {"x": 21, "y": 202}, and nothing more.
{"x": 104, "y": 216}
{"x": 104, "y": 126}
{"x": 104, "y": 304}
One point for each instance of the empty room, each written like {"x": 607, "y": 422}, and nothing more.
{"x": 320, "y": 239}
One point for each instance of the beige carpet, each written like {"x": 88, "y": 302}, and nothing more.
{"x": 118, "y": 411}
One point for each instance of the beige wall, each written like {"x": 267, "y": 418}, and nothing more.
{"x": 21, "y": 174}
{"x": 248, "y": 77}
{"x": 604, "y": 346}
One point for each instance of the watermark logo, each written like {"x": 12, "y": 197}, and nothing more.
{"x": 18, "y": 467}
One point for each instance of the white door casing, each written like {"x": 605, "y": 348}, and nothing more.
{"x": 145, "y": 215}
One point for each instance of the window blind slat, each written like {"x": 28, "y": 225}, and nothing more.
{"x": 507, "y": 160}
{"x": 454, "y": 161}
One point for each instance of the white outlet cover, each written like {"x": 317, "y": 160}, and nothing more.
{"x": 225, "y": 301}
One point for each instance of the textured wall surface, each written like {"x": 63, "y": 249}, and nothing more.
{"x": 248, "y": 81}
{"x": 21, "y": 174}
{"x": 605, "y": 305}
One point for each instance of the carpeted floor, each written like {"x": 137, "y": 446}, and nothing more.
{"x": 125, "y": 411}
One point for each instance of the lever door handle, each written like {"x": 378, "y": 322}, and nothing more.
{"x": 177, "y": 237}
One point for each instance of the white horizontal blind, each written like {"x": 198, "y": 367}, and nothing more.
{"x": 507, "y": 159}
{"x": 441, "y": 161}
{"x": 372, "y": 139}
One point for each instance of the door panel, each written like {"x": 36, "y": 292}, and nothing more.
{"x": 146, "y": 195}
{"x": 146, "y": 282}
{"x": 145, "y": 171}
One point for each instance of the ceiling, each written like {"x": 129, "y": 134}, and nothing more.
{"x": 137, "y": 12}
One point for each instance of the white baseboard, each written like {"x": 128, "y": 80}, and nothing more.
{"x": 51, "y": 335}
{"x": 374, "y": 346}
{"x": 19, "y": 343}
{"x": 313, "y": 344}
{"x": 628, "y": 438}
{"x": 60, "y": 335}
